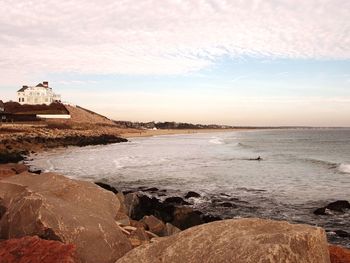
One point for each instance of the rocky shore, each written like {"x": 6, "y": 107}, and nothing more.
{"x": 47, "y": 215}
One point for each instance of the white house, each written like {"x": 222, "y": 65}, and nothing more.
{"x": 40, "y": 94}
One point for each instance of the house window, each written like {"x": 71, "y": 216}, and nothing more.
{"x": 19, "y": 100}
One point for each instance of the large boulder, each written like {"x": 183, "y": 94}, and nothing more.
{"x": 33, "y": 249}
{"x": 239, "y": 241}
{"x": 339, "y": 254}
{"x": 57, "y": 208}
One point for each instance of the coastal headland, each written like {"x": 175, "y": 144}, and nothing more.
{"x": 46, "y": 217}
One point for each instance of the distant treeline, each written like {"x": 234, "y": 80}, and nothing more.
{"x": 168, "y": 125}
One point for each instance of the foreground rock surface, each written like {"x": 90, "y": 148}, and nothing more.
{"x": 34, "y": 249}
{"x": 57, "y": 208}
{"x": 239, "y": 241}
{"x": 339, "y": 254}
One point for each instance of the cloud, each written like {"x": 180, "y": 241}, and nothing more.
{"x": 164, "y": 37}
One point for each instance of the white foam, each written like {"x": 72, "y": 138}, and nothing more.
{"x": 216, "y": 140}
{"x": 344, "y": 168}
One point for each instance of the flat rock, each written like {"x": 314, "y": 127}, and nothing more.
{"x": 54, "y": 207}
{"x": 33, "y": 249}
{"x": 239, "y": 241}
{"x": 339, "y": 254}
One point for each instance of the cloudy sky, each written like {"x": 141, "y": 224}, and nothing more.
{"x": 248, "y": 62}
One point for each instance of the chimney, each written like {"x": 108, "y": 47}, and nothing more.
{"x": 46, "y": 84}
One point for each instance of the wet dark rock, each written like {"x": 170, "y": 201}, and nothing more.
{"x": 338, "y": 206}
{"x": 342, "y": 233}
{"x": 128, "y": 192}
{"x": 139, "y": 205}
{"x": 223, "y": 194}
{"x": 186, "y": 217}
{"x": 176, "y": 200}
{"x": 34, "y": 170}
{"x": 210, "y": 218}
{"x": 227, "y": 204}
{"x": 320, "y": 211}
{"x": 192, "y": 194}
{"x": 107, "y": 187}
{"x": 12, "y": 157}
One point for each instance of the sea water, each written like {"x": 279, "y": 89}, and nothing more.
{"x": 299, "y": 171}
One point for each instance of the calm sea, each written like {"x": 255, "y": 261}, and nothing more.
{"x": 300, "y": 170}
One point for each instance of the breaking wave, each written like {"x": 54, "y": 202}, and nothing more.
{"x": 344, "y": 168}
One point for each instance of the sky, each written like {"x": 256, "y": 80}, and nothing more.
{"x": 235, "y": 62}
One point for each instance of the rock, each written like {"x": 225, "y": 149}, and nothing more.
{"x": 122, "y": 219}
{"x": 154, "y": 225}
{"x": 176, "y": 200}
{"x": 107, "y": 187}
{"x": 57, "y": 208}
{"x": 33, "y": 249}
{"x": 192, "y": 194}
{"x": 121, "y": 199}
{"x": 239, "y": 241}
{"x": 10, "y": 169}
{"x": 171, "y": 230}
{"x": 210, "y": 218}
{"x": 12, "y": 156}
{"x": 138, "y": 206}
{"x": 138, "y": 237}
{"x": 228, "y": 204}
{"x": 342, "y": 233}
{"x": 338, "y": 206}
{"x": 339, "y": 254}
{"x": 185, "y": 217}
{"x": 137, "y": 224}
{"x": 320, "y": 211}
{"x": 34, "y": 170}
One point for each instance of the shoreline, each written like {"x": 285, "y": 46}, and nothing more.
{"x": 150, "y": 133}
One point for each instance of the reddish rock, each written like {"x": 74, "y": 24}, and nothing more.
{"x": 54, "y": 207}
{"x": 11, "y": 169}
{"x": 35, "y": 250}
{"x": 339, "y": 254}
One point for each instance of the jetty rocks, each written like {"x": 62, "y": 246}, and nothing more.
{"x": 41, "y": 214}
{"x": 239, "y": 241}
{"x": 54, "y": 207}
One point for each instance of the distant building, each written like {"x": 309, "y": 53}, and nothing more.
{"x": 2, "y": 106}
{"x": 40, "y": 94}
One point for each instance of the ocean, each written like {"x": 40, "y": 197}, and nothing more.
{"x": 300, "y": 170}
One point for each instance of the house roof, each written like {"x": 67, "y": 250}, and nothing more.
{"x": 23, "y": 89}
{"x": 26, "y": 87}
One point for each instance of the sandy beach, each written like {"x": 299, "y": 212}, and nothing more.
{"x": 130, "y": 133}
